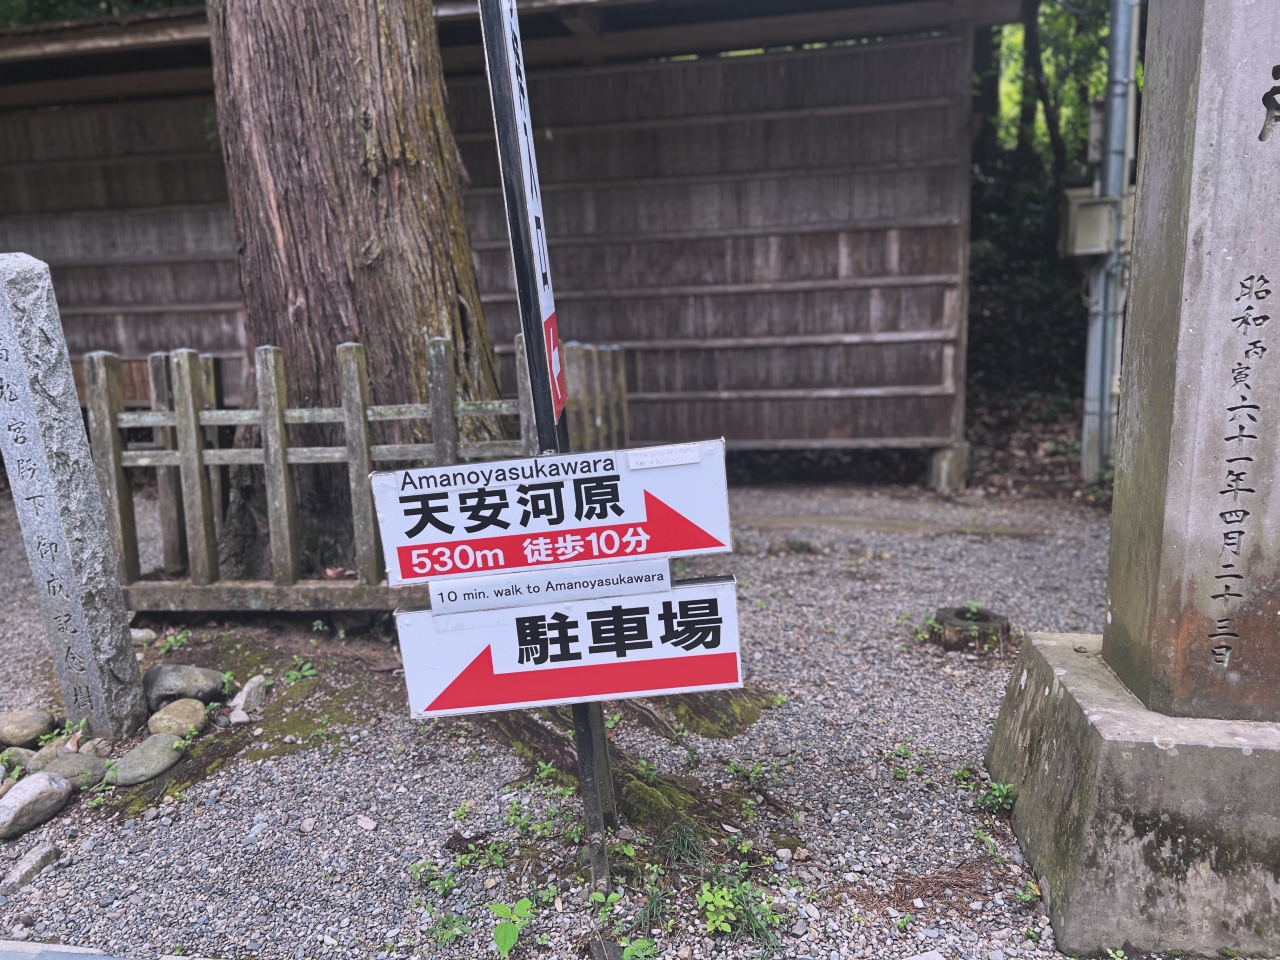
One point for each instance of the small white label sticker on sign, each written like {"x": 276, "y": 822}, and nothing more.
{"x": 523, "y": 587}
{"x": 649, "y": 457}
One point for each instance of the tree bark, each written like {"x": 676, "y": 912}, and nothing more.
{"x": 345, "y": 187}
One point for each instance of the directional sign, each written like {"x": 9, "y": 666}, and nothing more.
{"x": 568, "y": 510}
{"x": 569, "y": 652}
{"x": 509, "y": 93}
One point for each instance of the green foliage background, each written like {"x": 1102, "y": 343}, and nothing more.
{"x": 1033, "y": 84}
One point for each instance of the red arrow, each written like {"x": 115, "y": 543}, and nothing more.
{"x": 668, "y": 532}
{"x": 479, "y": 686}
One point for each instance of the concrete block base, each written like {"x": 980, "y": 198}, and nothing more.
{"x": 948, "y": 468}
{"x": 1146, "y": 832}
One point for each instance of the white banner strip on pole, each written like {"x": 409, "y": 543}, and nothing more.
{"x": 523, "y": 587}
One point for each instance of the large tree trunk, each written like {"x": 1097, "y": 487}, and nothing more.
{"x": 345, "y": 186}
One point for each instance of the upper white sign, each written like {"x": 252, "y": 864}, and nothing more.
{"x": 571, "y": 509}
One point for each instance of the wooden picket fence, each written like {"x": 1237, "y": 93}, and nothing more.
{"x": 191, "y": 457}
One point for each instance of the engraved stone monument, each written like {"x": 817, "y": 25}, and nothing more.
{"x": 1148, "y": 760}
{"x": 59, "y": 506}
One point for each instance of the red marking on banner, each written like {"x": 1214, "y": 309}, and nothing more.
{"x": 479, "y": 686}
{"x": 555, "y": 362}
{"x": 668, "y": 532}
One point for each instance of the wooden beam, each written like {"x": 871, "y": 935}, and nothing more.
{"x": 726, "y": 289}
{"x": 79, "y": 37}
{"x": 843, "y": 443}
{"x": 772, "y": 230}
{"x": 304, "y": 596}
{"x": 469, "y": 9}
{"x": 710, "y": 119}
{"x": 812, "y": 393}
{"x": 110, "y": 86}
{"x": 746, "y": 33}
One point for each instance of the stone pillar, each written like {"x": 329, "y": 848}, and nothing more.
{"x": 1147, "y": 792}
{"x": 59, "y": 505}
{"x": 1193, "y": 618}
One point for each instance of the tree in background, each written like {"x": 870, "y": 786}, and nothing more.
{"x": 1034, "y": 82}
{"x": 346, "y": 189}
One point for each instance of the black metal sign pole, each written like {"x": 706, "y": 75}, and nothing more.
{"x": 508, "y": 92}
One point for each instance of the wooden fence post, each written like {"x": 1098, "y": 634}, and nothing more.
{"x": 354, "y": 377}
{"x": 608, "y": 420}
{"x": 622, "y": 416}
{"x": 168, "y": 483}
{"x": 443, "y": 384}
{"x": 595, "y": 409}
{"x": 219, "y": 478}
{"x": 197, "y": 505}
{"x": 105, "y": 395}
{"x": 575, "y": 407}
{"x": 281, "y": 514}
{"x": 524, "y": 395}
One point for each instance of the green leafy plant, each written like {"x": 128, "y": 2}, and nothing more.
{"x": 639, "y": 950}
{"x": 971, "y": 609}
{"x": 461, "y": 812}
{"x": 302, "y": 670}
{"x": 990, "y": 845}
{"x": 716, "y": 904}
{"x": 646, "y": 771}
{"x": 604, "y": 905}
{"x": 778, "y": 699}
{"x": 965, "y": 774}
{"x": 1114, "y": 954}
{"x": 514, "y": 918}
{"x": 447, "y": 927}
{"x": 903, "y": 922}
{"x": 611, "y": 720}
{"x": 64, "y": 732}
{"x": 174, "y": 641}
{"x": 187, "y": 740}
{"x": 228, "y": 683}
{"x": 899, "y": 773}
{"x": 1028, "y": 894}
{"x": 902, "y": 751}
{"x": 997, "y": 797}
{"x": 317, "y": 626}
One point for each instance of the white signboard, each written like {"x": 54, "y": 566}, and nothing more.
{"x": 573, "y": 651}
{"x": 522, "y": 587}
{"x": 557, "y": 511}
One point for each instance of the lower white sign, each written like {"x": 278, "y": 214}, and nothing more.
{"x": 522, "y": 587}
{"x": 670, "y": 641}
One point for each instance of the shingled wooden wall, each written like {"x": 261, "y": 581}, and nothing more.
{"x": 127, "y": 202}
{"x": 778, "y": 239}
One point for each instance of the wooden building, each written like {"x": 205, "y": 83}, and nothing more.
{"x": 766, "y": 201}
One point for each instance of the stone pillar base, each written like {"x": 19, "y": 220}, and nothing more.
{"x": 948, "y": 468}
{"x": 1146, "y": 832}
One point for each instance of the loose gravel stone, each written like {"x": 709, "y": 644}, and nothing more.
{"x": 821, "y": 625}
{"x": 251, "y": 697}
{"x": 167, "y": 682}
{"x": 24, "y": 728}
{"x": 31, "y": 802}
{"x": 180, "y": 717}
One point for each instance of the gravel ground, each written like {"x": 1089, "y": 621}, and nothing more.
{"x": 291, "y": 837}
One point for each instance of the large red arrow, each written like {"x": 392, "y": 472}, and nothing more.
{"x": 668, "y": 532}
{"x": 479, "y": 686}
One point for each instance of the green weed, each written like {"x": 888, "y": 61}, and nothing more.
{"x": 514, "y": 918}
